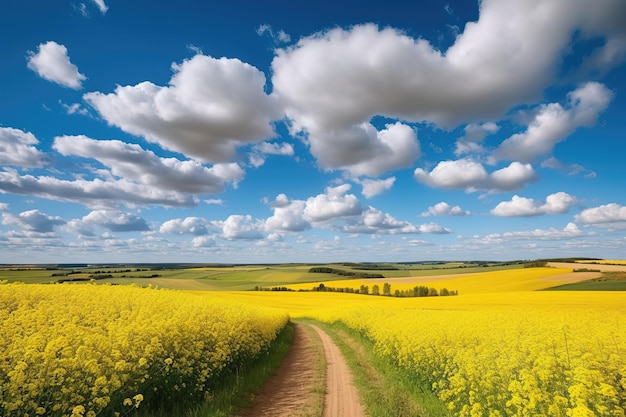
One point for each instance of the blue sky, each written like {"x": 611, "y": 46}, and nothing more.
{"x": 136, "y": 131}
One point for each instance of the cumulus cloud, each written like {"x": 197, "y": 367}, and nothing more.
{"x": 51, "y": 62}
{"x": 372, "y": 188}
{"x": 335, "y": 203}
{"x": 211, "y": 107}
{"x": 558, "y": 203}
{"x": 471, "y": 175}
{"x": 33, "y": 221}
{"x": 554, "y": 123}
{"x": 570, "y": 231}
{"x": 445, "y": 209}
{"x": 471, "y": 141}
{"x": 131, "y": 162}
{"x": 116, "y": 221}
{"x": 93, "y": 193}
{"x": 257, "y": 156}
{"x": 458, "y": 174}
{"x": 189, "y": 225}
{"x": 16, "y": 148}
{"x": 288, "y": 216}
{"x": 374, "y": 221}
{"x": 510, "y": 178}
{"x": 603, "y": 215}
{"x": 241, "y": 227}
{"x": 343, "y": 77}
{"x": 363, "y": 150}
{"x": 434, "y": 228}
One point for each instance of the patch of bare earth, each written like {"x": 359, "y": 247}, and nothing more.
{"x": 342, "y": 397}
{"x": 290, "y": 391}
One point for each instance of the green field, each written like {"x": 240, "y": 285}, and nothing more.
{"x": 610, "y": 281}
{"x": 234, "y": 277}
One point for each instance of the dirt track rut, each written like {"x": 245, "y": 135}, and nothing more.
{"x": 288, "y": 393}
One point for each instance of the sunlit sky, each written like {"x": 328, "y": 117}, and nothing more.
{"x": 188, "y": 131}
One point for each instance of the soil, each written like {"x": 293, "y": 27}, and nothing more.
{"x": 290, "y": 391}
{"x": 342, "y": 397}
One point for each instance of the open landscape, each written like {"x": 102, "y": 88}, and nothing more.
{"x": 519, "y": 338}
{"x": 312, "y": 209}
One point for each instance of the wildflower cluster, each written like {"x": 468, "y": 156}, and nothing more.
{"x": 88, "y": 350}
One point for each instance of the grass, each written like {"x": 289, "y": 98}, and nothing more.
{"x": 231, "y": 278}
{"x": 385, "y": 390}
{"x": 609, "y": 281}
{"x": 237, "y": 392}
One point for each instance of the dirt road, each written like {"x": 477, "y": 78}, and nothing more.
{"x": 342, "y": 397}
{"x": 290, "y": 392}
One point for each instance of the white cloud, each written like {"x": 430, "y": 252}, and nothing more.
{"x": 343, "y": 77}
{"x": 335, "y": 203}
{"x": 372, "y": 188}
{"x": 75, "y": 108}
{"x": 470, "y": 175}
{"x": 116, "y": 221}
{"x": 363, "y": 150}
{"x": 558, "y": 203}
{"x": 603, "y": 215}
{"x": 257, "y": 156}
{"x": 33, "y": 221}
{"x": 93, "y": 193}
{"x": 288, "y": 216}
{"x": 203, "y": 242}
{"x": 571, "y": 169}
{"x": 190, "y": 225}
{"x": 241, "y": 227}
{"x": 554, "y": 123}
{"x": 16, "y": 148}
{"x": 278, "y": 37}
{"x": 216, "y": 201}
{"x": 474, "y": 135}
{"x": 458, "y": 174}
{"x": 374, "y": 221}
{"x": 510, "y": 178}
{"x": 133, "y": 163}
{"x": 52, "y": 63}
{"x": 101, "y": 6}
{"x": 211, "y": 107}
{"x": 434, "y": 228}
{"x": 445, "y": 209}
{"x": 570, "y": 231}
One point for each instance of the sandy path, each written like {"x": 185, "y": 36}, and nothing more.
{"x": 289, "y": 392}
{"x": 342, "y": 397}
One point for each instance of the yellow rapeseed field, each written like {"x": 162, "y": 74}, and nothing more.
{"x": 504, "y": 352}
{"x": 88, "y": 350}
{"x": 523, "y": 279}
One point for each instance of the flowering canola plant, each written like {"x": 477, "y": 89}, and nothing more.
{"x": 507, "y": 354}
{"x": 88, "y": 350}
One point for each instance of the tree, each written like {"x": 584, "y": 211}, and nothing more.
{"x": 386, "y": 289}
{"x": 375, "y": 290}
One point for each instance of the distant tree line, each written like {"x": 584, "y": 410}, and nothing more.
{"x": 417, "y": 291}
{"x": 327, "y": 270}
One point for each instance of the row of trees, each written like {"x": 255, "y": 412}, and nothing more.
{"x": 417, "y": 291}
